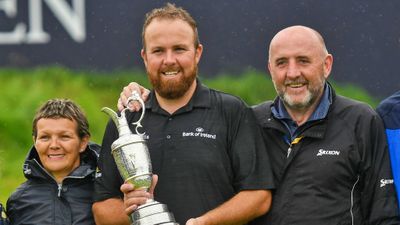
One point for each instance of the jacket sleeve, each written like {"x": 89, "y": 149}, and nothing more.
{"x": 378, "y": 196}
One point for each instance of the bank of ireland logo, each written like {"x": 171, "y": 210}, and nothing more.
{"x": 199, "y": 129}
{"x": 199, "y": 132}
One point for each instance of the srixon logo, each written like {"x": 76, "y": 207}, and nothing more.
{"x": 385, "y": 182}
{"x": 322, "y": 152}
{"x": 70, "y": 15}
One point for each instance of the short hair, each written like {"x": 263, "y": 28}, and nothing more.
{"x": 170, "y": 11}
{"x": 62, "y": 108}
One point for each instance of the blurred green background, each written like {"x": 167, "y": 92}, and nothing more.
{"x": 24, "y": 90}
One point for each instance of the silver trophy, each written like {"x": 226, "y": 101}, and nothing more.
{"x": 132, "y": 158}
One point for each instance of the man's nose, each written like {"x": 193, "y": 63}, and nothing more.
{"x": 169, "y": 58}
{"x": 293, "y": 70}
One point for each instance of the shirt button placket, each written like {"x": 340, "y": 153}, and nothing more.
{"x": 168, "y": 135}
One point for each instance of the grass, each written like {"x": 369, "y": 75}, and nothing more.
{"x": 23, "y": 91}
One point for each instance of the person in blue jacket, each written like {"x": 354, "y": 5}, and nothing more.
{"x": 389, "y": 110}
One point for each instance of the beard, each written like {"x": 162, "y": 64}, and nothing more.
{"x": 312, "y": 93}
{"x": 173, "y": 89}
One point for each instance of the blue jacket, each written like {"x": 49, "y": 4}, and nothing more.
{"x": 389, "y": 110}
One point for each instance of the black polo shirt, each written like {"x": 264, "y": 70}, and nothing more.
{"x": 204, "y": 153}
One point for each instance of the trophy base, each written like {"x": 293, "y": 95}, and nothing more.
{"x": 152, "y": 213}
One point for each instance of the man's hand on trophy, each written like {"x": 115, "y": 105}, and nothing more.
{"x": 134, "y": 198}
{"x": 127, "y": 92}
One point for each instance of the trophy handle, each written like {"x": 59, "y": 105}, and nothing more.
{"x": 136, "y": 97}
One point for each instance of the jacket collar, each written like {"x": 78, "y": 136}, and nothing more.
{"x": 34, "y": 168}
{"x": 317, "y": 127}
{"x": 280, "y": 112}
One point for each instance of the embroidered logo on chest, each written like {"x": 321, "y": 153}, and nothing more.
{"x": 385, "y": 182}
{"x": 322, "y": 152}
{"x": 199, "y": 132}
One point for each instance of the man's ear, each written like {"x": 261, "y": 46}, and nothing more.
{"x": 328, "y": 62}
{"x": 199, "y": 51}
{"x": 144, "y": 57}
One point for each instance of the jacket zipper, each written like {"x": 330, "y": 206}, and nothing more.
{"x": 59, "y": 190}
{"x": 298, "y": 139}
{"x": 295, "y": 141}
{"x": 352, "y": 200}
{"x": 59, "y": 186}
{"x": 289, "y": 150}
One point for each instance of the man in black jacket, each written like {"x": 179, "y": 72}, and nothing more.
{"x": 328, "y": 153}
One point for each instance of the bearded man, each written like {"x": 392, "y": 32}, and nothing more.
{"x": 329, "y": 153}
{"x": 205, "y": 146}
